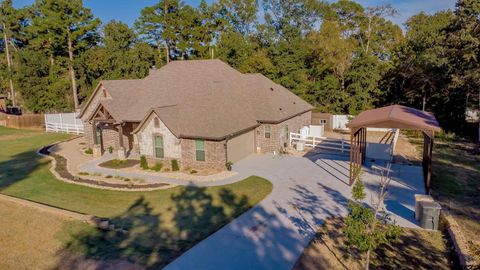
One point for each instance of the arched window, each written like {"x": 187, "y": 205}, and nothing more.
{"x": 156, "y": 122}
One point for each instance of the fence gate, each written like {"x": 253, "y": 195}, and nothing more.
{"x": 64, "y": 123}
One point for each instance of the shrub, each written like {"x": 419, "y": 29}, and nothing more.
{"x": 174, "y": 165}
{"x": 108, "y": 176}
{"x": 143, "y": 163}
{"x": 229, "y": 165}
{"x": 83, "y": 173}
{"x": 89, "y": 151}
{"x": 110, "y": 149}
{"x": 193, "y": 171}
{"x": 157, "y": 167}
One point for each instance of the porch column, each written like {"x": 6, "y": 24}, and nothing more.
{"x": 94, "y": 132}
{"x": 121, "y": 148}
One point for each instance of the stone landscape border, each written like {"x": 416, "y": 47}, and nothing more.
{"x": 459, "y": 242}
{"x": 59, "y": 169}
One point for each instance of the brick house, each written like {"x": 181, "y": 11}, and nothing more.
{"x": 202, "y": 113}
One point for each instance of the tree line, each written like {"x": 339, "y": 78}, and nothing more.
{"x": 341, "y": 57}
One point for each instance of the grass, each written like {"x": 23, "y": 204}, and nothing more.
{"x": 31, "y": 238}
{"x": 119, "y": 164}
{"x": 163, "y": 224}
{"x": 456, "y": 184}
{"x": 415, "y": 249}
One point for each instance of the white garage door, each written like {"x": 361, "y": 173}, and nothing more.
{"x": 241, "y": 146}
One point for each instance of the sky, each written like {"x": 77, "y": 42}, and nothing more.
{"x": 129, "y": 10}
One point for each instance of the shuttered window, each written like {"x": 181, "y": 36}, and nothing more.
{"x": 158, "y": 141}
{"x": 200, "y": 150}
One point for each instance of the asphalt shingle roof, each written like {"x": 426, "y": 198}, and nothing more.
{"x": 202, "y": 99}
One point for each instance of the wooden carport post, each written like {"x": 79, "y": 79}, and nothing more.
{"x": 428, "y": 138}
{"x": 357, "y": 151}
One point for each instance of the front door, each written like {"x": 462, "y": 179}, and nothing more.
{"x": 100, "y": 137}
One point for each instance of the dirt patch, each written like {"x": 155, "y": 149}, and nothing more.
{"x": 415, "y": 249}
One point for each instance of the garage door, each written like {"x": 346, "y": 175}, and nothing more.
{"x": 241, "y": 146}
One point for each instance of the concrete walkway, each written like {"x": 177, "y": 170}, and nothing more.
{"x": 273, "y": 234}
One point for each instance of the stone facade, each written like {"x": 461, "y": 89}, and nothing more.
{"x": 277, "y": 132}
{"x": 98, "y": 96}
{"x": 215, "y": 155}
{"x": 171, "y": 144}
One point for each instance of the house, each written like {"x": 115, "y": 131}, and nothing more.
{"x": 202, "y": 113}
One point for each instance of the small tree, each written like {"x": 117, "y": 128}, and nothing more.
{"x": 366, "y": 228}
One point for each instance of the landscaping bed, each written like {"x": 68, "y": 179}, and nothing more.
{"x": 61, "y": 169}
{"x": 415, "y": 249}
{"x": 119, "y": 164}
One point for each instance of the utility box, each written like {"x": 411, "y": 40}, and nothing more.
{"x": 430, "y": 215}
{"x": 418, "y": 199}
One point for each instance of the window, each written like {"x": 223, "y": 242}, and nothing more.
{"x": 200, "y": 150}
{"x": 322, "y": 121}
{"x": 156, "y": 122}
{"x": 267, "y": 132}
{"x": 158, "y": 146}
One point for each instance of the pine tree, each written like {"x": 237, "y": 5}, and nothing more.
{"x": 70, "y": 24}
{"x": 9, "y": 24}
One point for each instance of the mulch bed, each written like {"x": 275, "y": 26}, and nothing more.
{"x": 119, "y": 164}
{"x": 61, "y": 169}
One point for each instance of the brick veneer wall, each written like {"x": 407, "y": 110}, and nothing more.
{"x": 215, "y": 155}
{"x": 276, "y": 132}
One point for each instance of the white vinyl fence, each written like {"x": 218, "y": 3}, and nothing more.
{"x": 63, "y": 123}
{"x": 340, "y": 121}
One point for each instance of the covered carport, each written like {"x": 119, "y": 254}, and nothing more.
{"x": 394, "y": 116}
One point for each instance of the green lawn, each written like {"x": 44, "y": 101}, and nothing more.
{"x": 163, "y": 224}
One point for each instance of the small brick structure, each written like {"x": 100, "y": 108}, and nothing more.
{"x": 277, "y": 132}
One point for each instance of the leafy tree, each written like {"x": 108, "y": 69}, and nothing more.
{"x": 368, "y": 228}
{"x": 463, "y": 48}
{"x": 240, "y": 15}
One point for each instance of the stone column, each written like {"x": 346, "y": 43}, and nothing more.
{"x": 121, "y": 148}
{"x": 97, "y": 150}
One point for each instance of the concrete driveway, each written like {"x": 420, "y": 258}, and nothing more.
{"x": 273, "y": 234}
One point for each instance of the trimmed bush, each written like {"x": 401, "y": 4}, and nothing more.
{"x": 157, "y": 167}
{"x": 110, "y": 149}
{"x": 89, "y": 151}
{"x": 228, "y": 165}
{"x": 143, "y": 163}
{"x": 193, "y": 172}
{"x": 175, "y": 165}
